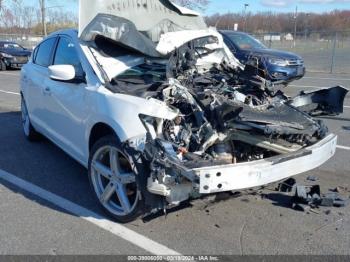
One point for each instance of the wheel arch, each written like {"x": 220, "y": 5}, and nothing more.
{"x": 98, "y": 131}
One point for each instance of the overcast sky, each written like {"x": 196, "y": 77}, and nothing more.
{"x": 224, "y": 6}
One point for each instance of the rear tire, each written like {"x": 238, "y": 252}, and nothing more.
{"x": 113, "y": 180}
{"x": 2, "y": 66}
{"x": 29, "y": 132}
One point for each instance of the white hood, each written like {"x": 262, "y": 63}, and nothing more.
{"x": 173, "y": 40}
{"x": 152, "y": 17}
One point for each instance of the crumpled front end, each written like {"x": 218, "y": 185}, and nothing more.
{"x": 229, "y": 128}
{"x": 221, "y": 142}
{"x": 233, "y": 131}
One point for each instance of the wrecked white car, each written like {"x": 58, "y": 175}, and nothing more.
{"x": 153, "y": 103}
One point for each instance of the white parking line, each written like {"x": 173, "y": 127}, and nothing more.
{"x": 343, "y": 147}
{"x": 325, "y": 78}
{"x": 318, "y": 87}
{"x": 10, "y": 93}
{"x": 347, "y": 106}
{"x": 88, "y": 215}
{"x": 8, "y": 74}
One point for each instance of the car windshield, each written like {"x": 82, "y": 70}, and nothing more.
{"x": 12, "y": 46}
{"x": 246, "y": 42}
{"x": 145, "y": 73}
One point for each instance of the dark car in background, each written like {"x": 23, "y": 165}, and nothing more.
{"x": 12, "y": 55}
{"x": 274, "y": 65}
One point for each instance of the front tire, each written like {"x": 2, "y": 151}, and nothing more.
{"x": 113, "y": 180}
{"x": 28, "y": 129}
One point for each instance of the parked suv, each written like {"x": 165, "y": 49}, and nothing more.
{"x": 12, "y": 55}
{"x": 274, "y": 65}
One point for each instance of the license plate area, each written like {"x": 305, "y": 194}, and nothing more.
{"x": 300, "y": 71}
{"x": 21, "y": 59}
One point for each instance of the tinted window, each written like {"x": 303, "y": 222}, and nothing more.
{"x": 228, "y": 43}
{"x": 143, "y": 74}
{"x": 13, "y": 46}
{"x": 44, "y": 52}
{"x": 66, "y": 54}
{"x": 245, "y": 42}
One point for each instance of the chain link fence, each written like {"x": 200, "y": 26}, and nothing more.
{"x": 326, "y": 52}
{"x": 27, "y": 41}
{"x": 322, "y": 51}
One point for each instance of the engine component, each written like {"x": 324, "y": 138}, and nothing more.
{"x": 224, "y": 152}
{"x": 177, "y": 132}
{"x": 174, "y": 193}
{"x": 262, "y": 142}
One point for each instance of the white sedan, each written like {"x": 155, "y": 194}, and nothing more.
{"x": 163, "y": 116}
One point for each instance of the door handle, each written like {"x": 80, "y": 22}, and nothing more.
{"x": 47, "y": 91}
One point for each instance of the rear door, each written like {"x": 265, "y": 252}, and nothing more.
{"x": 65, "y": 102}
{"x": 34, "y": 78}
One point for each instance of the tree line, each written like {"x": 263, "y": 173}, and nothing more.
{"x": 269, "y": 22}
{"x": 17, "y": 17}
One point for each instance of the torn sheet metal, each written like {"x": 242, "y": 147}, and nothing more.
{"x": 208, "y": 38}
{"x": 152, "y": 17}
{"x": 322, "y": 102}
{"x": 120, "y": 30}
{"x": 170, "y": 41}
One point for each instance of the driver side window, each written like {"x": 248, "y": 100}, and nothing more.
{"x": 230, "y": 45}
{"x": 66, "y": 54}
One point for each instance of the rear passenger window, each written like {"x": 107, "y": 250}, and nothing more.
{"x": 43, "y": 54}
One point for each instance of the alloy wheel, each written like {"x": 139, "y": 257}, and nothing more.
{"x": 114, "y": 181}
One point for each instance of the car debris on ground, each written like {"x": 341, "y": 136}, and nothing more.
{"x": 307, "y": 197}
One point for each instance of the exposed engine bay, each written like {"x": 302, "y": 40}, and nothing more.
{"x": 225, "y": 115}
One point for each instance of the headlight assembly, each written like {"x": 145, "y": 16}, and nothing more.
{"x": 6, "y": 55}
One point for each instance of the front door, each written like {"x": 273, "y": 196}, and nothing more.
{"x": 65, "y": 102}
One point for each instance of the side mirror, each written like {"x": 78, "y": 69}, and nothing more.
{"x": 62, "y": 72}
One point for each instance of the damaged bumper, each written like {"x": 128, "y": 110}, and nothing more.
{"x": 252, "y": 174}
{"x": 327, "y": 101}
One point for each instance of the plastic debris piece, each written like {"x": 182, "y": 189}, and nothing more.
{"x": 287, "y": 185}
{"x": 312, "y": 178}
{"x": 340, "y": 189}
{"x": 327, "y": 202}
{"x": 301, "y": 193}
{"x": 341, "y": 203}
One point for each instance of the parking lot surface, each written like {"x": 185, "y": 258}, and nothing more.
{"x": 51, "y": 210}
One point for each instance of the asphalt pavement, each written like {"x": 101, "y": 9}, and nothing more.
{"x": 49, "y": 208}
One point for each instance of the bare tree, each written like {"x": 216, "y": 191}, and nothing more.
{"x": 42, "y": 4}
{"x": 3, "y": 2}
{"x": 29, "y": 17}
